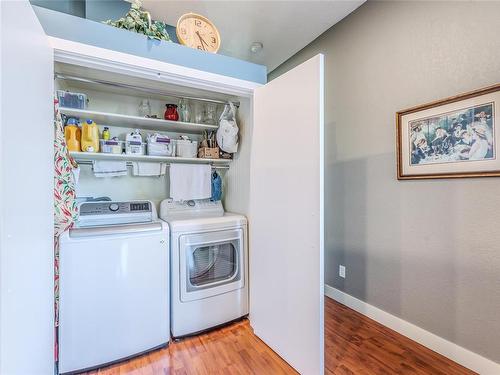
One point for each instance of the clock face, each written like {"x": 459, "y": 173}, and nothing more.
{"x": 198, "y": 32}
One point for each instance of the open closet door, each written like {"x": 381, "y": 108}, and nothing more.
{"x": 26, "y": 194}
{"x": 286, "y": 217}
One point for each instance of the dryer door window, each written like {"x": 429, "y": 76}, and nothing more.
{"x": 214, "y": 263}
{"x": 211, "y": 263}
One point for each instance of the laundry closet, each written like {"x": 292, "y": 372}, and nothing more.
{"x": 187, "y": 276}
{"x": 274, "y": 180}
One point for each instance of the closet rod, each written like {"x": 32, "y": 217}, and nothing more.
{"x": 137, "y": 88}
{"x": 129, "y": 164}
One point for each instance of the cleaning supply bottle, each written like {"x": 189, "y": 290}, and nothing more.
{"x": 90, "y": 136}
{"x": 72, "y": 134}
{"x": 105, "y": 133}
{"x": 134, "y": 144}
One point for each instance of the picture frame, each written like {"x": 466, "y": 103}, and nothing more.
{"x": 455, "y": 137}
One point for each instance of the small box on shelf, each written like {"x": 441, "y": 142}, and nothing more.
{"x": 208, "y": 153}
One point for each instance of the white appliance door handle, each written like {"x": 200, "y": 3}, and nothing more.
{"x": 115, "y": 229}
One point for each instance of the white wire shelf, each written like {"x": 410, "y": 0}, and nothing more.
{"x": 90, "y": 156}
{"x": 136, "y": 122}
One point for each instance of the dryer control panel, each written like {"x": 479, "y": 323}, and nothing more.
{"x": 192, "y": 208}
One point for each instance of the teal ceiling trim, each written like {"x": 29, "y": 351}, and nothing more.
{"x": 64, "y": 26}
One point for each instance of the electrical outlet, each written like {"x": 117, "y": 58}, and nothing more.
{"x": 342, "y": 271}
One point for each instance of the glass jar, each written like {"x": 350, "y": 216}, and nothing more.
{"x": 184, "y": 110}
{"x": 144, "y": 108}
{"x": 209, "y": 113}
{"x": 199, "y": 112}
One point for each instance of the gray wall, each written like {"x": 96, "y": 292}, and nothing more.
{"x": 426, "y": 251}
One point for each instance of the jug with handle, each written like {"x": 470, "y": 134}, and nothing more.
{"x": 72, "y": 134}
{"x": 90, "y": 136}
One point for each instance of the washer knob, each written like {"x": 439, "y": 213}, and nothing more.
{"x": 114, "y": 207}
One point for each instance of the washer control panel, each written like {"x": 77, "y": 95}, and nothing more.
{"x": 104, "y": 208}
{"x": 111, "y": 213}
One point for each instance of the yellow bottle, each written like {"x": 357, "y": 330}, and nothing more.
{"x": 106, "y": 134}
{"x": 72, "y": 134}
{"x": 90, "y": 137}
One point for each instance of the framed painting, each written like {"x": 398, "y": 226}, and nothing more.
{"x": 450, "y": 138}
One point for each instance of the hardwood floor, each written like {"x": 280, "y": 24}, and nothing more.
{"x": 230, "y": 350}
{"x": 354, "y": 344}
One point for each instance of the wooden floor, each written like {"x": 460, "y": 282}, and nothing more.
{"x": 354, "y": 344}
{"x": 231, "y": 350}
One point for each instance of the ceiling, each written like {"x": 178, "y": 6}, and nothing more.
{"x": 283, "y": 27}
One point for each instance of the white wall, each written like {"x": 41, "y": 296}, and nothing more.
{"x": 236, "y": 180}
{"x": 26, "y": 195}
{"x": 425, "y": 251}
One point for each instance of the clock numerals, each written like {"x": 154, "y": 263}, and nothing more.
{"x": 197, "y": 32}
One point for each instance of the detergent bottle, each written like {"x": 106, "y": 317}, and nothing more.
{"x": 90, "y": 137}
{"x": 72, "y": 134}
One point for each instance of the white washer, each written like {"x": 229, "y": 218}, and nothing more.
{"x": 114, "y": 285}
{"x": 209, "y": 265}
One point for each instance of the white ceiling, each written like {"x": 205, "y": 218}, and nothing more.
{"x": 283, "y": 27}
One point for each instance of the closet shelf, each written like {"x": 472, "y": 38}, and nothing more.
{"x": 84, "y": 156}
{"x": 136, "y": 122}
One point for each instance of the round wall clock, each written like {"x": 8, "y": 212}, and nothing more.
{"x": 196, "y": 31}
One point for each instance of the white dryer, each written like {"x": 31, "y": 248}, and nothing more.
{"x": 209, "y": 265}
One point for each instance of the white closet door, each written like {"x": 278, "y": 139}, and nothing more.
{"x": 286, "y": 217}
{"x": 26, "y": 194}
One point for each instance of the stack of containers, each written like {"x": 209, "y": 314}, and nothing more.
{"x": 160, "y": 145}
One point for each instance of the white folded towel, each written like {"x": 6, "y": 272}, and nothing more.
{"x": 109, "y": 168}
{"x": 189, "y": 181}
{"x": 148, "y": 169}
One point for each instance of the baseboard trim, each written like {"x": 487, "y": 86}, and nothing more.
{"x": 456, "y": 353}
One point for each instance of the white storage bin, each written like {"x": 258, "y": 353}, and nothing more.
{"x": 135, "y": 148}
{"x": 111, "y": 146}
{"x": 72, "y": 99}
{"x": 160, "y": 145}
{"x": 186, "y": 148}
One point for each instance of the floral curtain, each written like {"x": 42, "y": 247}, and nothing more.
{"x": 65, "y": 208}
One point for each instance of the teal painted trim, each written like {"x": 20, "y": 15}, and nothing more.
{"x": 73, "y": 7}
{"x": 99, "y": 10}
{"x": 81, "y": 30}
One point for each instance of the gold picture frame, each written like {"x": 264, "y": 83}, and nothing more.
{"x": 454, "y": 137}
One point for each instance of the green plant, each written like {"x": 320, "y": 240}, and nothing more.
{"x": 139, "y": 21}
